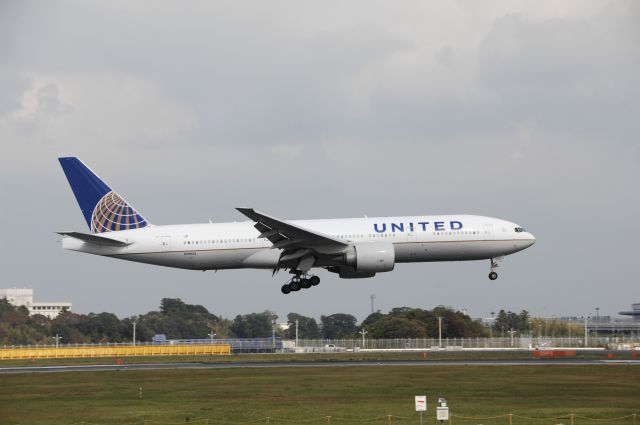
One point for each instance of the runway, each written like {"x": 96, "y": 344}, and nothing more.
{"x": 263, "y": 365}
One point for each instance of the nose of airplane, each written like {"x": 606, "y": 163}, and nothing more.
{"x": 530, "y": 240}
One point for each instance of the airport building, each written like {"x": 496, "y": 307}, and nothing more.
{"x": 610, "y": 325}
{"x": 634, "y": 312}
{"x": 24, "y": 297}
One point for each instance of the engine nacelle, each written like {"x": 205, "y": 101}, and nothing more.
{"x": 371, "y": 257}
{"x": 346, "y": 272}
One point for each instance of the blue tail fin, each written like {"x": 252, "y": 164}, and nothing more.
{"x": 103, "y": 209}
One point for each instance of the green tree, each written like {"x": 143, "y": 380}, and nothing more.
{"x": 18, "y": 328}
{"x": 417, "y": 323}
{"x": 339, "y": 325}
{"x": 307, "y": 327}
{"x": 397, "y": 327}
{"x": 176, "y": 319}
{"x": 507, "y": 320}
{"x": 254, "y": 325}
{"x": 66, "y": 325}
{"x": 102, "y": 327}
{"x": 372, "y": 318}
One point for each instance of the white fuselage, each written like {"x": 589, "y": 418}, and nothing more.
{"x": 216, "y": 246}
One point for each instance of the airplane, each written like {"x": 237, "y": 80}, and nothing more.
{"x": 351, "y": 247}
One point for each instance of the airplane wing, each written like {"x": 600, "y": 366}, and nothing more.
{"x": 95, "y": 239}
{"x": 296, "y": 241}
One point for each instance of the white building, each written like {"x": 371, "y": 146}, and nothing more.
{"x": 24, "y": 296}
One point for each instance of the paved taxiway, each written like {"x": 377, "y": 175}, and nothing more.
{"x": 259, "y": 365}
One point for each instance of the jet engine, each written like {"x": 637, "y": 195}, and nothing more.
{"x": 366, "y": 259}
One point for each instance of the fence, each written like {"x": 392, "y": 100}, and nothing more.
{"x": 277, "y": 344}
{"x": 238, "y": 345}
{"x": 520, "y": 342}
{"x": 114, "y": 351}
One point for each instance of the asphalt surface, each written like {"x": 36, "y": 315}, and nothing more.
{"x": 262, "y": 365}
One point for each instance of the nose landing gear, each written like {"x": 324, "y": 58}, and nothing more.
{"x": 300, "y": 281}
{"x": 494, "y": 265}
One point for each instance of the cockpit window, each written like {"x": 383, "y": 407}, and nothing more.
{"x": 520, "y": 229}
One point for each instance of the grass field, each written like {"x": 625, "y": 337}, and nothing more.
{"x": 350, "y": 395}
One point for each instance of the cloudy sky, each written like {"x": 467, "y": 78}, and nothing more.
{"x": 527, "y": 111}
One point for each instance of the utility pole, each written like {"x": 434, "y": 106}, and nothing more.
{"x": 373, "y": 297}
{"x": 363, "y": 333}
{"x": 134, "y": 333}
{"x": 439, "y": 331}
{"x": 296, "y": 333}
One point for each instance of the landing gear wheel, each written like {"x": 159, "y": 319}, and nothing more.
{"x": 315, "y": 280}
{"x": 285, "y": 289}
{"x": 305, "y": 283}
{"x": 493, "y": 275}
{"x": 294, "y": 286}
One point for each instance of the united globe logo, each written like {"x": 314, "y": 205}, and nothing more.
{"x": 112, "y": 213}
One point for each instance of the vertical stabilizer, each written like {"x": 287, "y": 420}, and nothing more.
{"x": 103, "y": 209}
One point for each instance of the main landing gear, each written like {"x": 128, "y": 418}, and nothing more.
{"x": 494, "y": 265}
{"x": 300, "y": 281}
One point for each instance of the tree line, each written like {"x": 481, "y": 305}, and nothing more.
{"x": 179, "y": 320}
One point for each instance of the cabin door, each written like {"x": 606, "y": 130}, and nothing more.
{"x": 165, "y": 243}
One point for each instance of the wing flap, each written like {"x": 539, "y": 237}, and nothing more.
{"x": 95, "y": 239}
{"x": 284, "y": 234}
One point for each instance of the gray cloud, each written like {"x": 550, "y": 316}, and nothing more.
{"x": 526, "y": 111}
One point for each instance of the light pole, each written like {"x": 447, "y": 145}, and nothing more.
{"x": 493, "y": 321}
{"x": 373, "y": 297}
{"x": 586, "y": 334}
{"x": 363, "y": 333}
{"x": 134, "y": 333}
{"x": 273, "y": 336}
{"x": 511, "y": 331}
{"x": 439, "y": 331}
{"x": 57, "y": 338}
{"x": 211, "y": 336}
{"x": 546, "y": 328}
{"x": 296, "y": 333}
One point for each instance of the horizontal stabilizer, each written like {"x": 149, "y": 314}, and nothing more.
{"x": 95, "y": 239}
